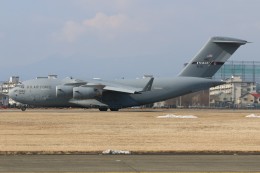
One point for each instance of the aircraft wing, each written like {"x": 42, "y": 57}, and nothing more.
{"x": 114, "y": 87}
{"x": 122, "y": 89}
{"x": 73, "y": 82}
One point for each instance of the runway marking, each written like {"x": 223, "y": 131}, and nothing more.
{"x": 253, "y": 116}
{"x": 177, "y": 116}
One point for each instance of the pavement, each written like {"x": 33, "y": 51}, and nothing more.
{"x": 129, "y": 163}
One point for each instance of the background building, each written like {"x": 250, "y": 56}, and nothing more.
{"x": 243, "y": 78}
{"x": 241, "y": 89}
{"x": 235, "y": 93}
{"x": 248, "y": 71}
{"x": 4, "y": 89}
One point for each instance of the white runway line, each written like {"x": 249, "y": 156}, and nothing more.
{"x": 177, "y": 116}
{"x": 253, "y": 116}
{"x": 109, "y": 151}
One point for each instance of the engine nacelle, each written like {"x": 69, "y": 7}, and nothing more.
{"x": 64, "y": 91}
{"x": 85, "y": 93}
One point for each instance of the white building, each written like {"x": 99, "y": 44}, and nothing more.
{"x": 4, "y": 89}
{"x": 14, "y": 79}
{"x": 232, "y": 92}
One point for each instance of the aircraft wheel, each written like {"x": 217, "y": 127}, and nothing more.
{"x": 114, "y": 109}
{"x": 23, "y": 108}
{"x": 103, "y": 109}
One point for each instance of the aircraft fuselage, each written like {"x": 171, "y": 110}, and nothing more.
{"x": 43, "y": 92}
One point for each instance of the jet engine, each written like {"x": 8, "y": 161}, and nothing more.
{"x": 64, "y": 91}
{"x": 85, "y": 92}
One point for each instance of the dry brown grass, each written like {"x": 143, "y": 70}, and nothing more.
{"x": 140, "y": 131}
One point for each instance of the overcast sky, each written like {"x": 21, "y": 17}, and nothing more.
{"x": 118, "y": 38}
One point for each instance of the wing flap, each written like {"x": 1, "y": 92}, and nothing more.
{"x": 121, "y": 89}
{"x": 88, "y": 103}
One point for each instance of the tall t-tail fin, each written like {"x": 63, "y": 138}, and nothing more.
{"x": 211, "y": 57}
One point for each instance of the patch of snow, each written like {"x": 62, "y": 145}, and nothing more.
{"x": 177, "y": 116}
{"x": 113, "y": 152}
{"x": 253, "y": 116}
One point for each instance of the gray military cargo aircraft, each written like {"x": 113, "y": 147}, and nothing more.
{"x": 114, "y": 95}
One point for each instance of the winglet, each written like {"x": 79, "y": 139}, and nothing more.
{"x": 148, "y": 86}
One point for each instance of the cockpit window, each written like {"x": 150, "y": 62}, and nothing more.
{"x": 20, "y": 86}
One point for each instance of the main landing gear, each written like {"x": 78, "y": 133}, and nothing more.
{"x": 114, "y": 109}
{"x": 23, "y": 108}
{"x": 105, "y": 109}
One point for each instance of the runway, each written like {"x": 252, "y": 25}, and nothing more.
{"x": 129, "y": 163}
{"x": 87, "y": 131}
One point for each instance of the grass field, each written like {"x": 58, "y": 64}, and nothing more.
{"x": 76, "y": 130}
